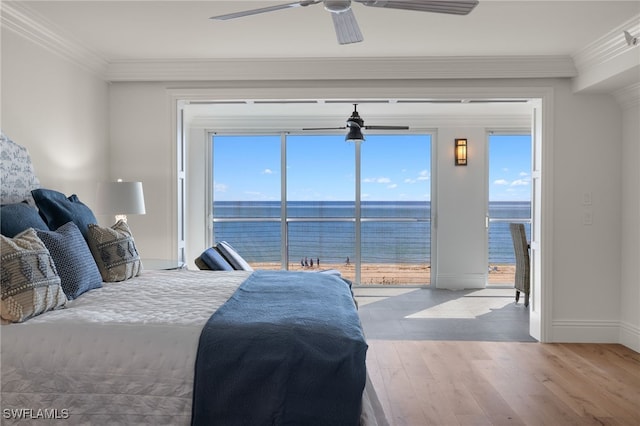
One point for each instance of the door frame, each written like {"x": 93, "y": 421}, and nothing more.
{"x": 543, "y": 96}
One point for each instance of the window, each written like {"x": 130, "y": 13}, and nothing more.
{"x": 374, "y": 227}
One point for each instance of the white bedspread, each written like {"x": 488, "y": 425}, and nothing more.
{"x": 122, "y": 354}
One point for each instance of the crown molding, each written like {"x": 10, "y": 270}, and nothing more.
{"x": 609, "y": 62}
{"x": 475, "y": 67}
{"x": 18, "y": 18}
{"x": 607, "y": 47}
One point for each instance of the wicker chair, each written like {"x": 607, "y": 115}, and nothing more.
{"x": 521, "y": 248}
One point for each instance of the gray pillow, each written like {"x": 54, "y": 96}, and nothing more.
{"x": 30, "y": 283}
{"x": 114, "y": 251}
{"x": 74, "y": 262}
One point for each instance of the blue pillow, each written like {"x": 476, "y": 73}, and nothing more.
{"x": 211, "y": 260}
{"x": 56, "y": 210}
{"x": 15, "y": 218}
{"x": 73, "y": 259}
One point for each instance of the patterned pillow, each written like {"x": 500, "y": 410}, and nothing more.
{"x": 114, "y": 251}
{"x": 30, "y": 283}
{"x": 16, "y": 173}
{"x": 15, "y": 218}
{"x": 56, "y": 209}
{"x": 74, "y": 262}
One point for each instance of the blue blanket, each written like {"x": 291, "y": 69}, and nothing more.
{"x": 286, "y": 349}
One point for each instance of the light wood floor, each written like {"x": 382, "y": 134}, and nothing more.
{"x": 503, "y": 383}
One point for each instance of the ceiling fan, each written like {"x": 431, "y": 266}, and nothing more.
{"x": 355, "y": 124}
{"x": 344, "y": 21}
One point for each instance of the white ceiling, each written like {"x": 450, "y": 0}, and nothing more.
{"x": 119, "y": 31}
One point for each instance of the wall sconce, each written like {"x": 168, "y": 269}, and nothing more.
{"x": 120, "y": 198}
{"x": 461, "y": 152}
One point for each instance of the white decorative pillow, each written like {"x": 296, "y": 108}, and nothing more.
{"x": 30, "y": 281}
{"x": 114, "y": 251}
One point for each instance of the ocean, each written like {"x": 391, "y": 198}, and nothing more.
{"x": 392, "y": 232}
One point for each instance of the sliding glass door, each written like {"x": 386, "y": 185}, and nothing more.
{"x": 396, "y": 210}
{"x": 509, "y": 201}
{"x": 316, "y": 202}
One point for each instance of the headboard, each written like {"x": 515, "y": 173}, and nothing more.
{"x": 17, "y": 176}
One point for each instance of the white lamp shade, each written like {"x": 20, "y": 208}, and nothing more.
{"x": 120, "y": 198}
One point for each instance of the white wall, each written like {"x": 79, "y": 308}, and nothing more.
{"x": 59, "y": 112}
{"x": 630, "y": 282}
{"x": 587, "y": 155}
{"x": 461, "y": 208}
{"x": 143, "y": 148}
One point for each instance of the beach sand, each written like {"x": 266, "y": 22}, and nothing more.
{"x": 393, "y": 273}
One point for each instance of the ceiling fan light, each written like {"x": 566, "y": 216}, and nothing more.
{"x": 337, "y": 6}
{"x": 354, "y": 135}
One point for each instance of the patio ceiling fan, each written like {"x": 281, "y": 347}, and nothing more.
{"x": 355, "y": 124}
{"x": 344, "y": 21}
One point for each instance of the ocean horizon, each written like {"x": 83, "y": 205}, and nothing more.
{"x": 392, "y": 231}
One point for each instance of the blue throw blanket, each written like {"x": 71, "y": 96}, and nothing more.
{"x": 286, "y": 349}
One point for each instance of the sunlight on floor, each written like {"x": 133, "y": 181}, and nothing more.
{"x": 367, "y": 295}
{"x": 471, "y": 305}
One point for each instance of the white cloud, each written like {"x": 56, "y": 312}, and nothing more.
{"x": 267, "y": 171}
{"x": 520, "y": 182}
{"x": 501, "y": 182}
{"x": 424, "y": 175}
{"x": 523, "y": 174}
{"x": 377, "y": 180}
{"x": 220, "y": 187}
{"x": 392, "y": 186}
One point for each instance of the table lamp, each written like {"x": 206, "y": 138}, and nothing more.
{"x": 120, "y": 199}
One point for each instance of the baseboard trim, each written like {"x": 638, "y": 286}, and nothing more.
{"x": 630, "y": 336}
{"x": 461, "y": 281}
{"x": 589, "y": 331}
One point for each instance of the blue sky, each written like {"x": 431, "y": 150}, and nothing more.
{"x": 321, "y": 168}
{"x": 510, "y": 168}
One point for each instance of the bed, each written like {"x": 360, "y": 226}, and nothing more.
{"x": 174, "y": 347}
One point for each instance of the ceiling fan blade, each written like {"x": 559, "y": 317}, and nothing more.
{"x": 324, "y": 128}
{"x": 455, "y": 7}
{"x": 263, "y": 10}
{"x": 347, "y": 29}
{"x": 386, "y": 127}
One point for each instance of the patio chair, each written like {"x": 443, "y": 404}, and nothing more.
{"x": 522, "y": 281}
